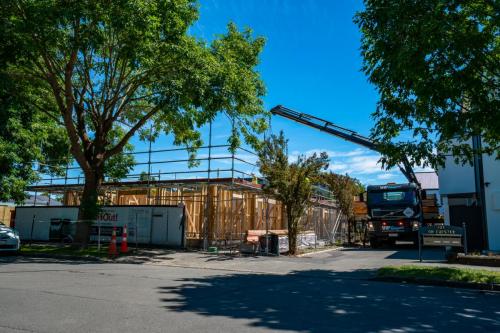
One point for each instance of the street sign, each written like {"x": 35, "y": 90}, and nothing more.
{"x": 442, "y": 241}
{"x": 442, "y": 235}
{"x": 441, "y": 229}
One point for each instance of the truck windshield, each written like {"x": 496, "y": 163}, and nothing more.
{"x": 392, "y": 197}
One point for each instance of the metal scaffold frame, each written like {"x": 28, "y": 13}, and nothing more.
{"x": 221, "y": 205}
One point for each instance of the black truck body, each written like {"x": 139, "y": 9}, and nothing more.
{"x": 394, "y": 212}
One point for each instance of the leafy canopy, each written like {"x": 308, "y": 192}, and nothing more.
{"x": 436, "y": 65}
{"x": 33, "y": 144}
{"x": 30, "y": 142}
{"x": 104, "y": 71}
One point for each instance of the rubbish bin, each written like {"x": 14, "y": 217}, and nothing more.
{"x": 55, "y": 230}
{"x": 273, "y": 243}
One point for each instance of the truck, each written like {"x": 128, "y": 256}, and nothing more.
{"x": 394, "y": 211}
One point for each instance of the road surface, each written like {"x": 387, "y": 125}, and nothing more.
{"x": 186, "y": 292}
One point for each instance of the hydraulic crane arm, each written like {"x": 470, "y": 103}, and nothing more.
{"x": 324, "y": 126}
{"x": 341, "y": 132}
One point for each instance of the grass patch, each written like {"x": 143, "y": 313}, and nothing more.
{"x": 441, "y": 274}
{"x": 91, "y": 250}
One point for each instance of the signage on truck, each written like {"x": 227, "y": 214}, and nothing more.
{"x": 408, "y": 212}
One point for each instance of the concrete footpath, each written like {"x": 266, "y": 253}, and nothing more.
{"x": 355, "y": 260}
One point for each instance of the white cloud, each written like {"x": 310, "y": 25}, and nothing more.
{"x": 355, "y": 152}
{"x": 358, "y": 161}
{"x": 385, "y": 176}
{"x": 366, "y": 164}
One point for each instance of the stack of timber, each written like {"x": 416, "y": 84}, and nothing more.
{"x": 360, "y": 209}
{"x": 430, "y": 207}
{"x": 5, "y": 214}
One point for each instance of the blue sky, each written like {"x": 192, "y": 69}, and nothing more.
{"x": 311, "y": 63}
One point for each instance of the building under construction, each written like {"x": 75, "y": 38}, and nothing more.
{"x": 222, "y": 197}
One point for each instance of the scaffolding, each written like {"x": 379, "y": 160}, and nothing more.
{"x": 223, "y": 199}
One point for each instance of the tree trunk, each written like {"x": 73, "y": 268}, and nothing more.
{"x": 349, "y": 227}
{"x": 89, "y": 208}
{"x": 292, "y": 235}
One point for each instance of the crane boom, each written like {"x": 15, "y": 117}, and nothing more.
{"x": 341, "y": 132}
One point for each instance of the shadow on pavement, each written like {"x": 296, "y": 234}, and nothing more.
{"x": 136, "y": 256}
{"x": 405, "y": 253}
{"x": 325, "y": 301}
{"x": 17, "y": 259}
{"x": 220, "y": 258}
{"x": 428, "y": 255}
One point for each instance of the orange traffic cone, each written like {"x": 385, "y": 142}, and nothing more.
{"x": 112, "y": 251}
{"x": 124, "y": 245}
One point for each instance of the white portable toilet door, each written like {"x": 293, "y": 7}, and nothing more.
{"x": 175, "y": 227}
{"x": 159, "y": 232}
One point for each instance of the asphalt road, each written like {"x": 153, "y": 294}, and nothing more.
{"x": 324, "y": 293}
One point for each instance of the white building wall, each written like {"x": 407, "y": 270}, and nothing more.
{"x": 456, "y": 178}
{"x": 491, "y": 168}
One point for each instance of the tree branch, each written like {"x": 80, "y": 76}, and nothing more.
{"x": 119, "y": 146}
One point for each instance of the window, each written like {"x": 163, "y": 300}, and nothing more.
{"x": 392, "y": 197}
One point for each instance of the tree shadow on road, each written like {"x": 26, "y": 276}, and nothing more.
{"x": 406, "y": 252}
{"x": 135, "y": 256}
{"x": 325, "y": 301}
{"x": 18, "y": 259}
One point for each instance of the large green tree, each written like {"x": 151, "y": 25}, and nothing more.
{"x": 105, "y": 71}
{"x": 292, "y": 183}
{"x": 436, "y": 65}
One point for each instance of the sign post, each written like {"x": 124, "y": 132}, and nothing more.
{"x": 464, "y": 225}
{"x": 419, "y": 242}
{"x": 99, "y": 236}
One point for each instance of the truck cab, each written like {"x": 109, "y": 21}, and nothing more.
{"x": 394, "y": 213}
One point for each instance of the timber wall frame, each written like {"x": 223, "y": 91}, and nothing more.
{"x": 220, "y": 206}
{"x": 218, "y": 211}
